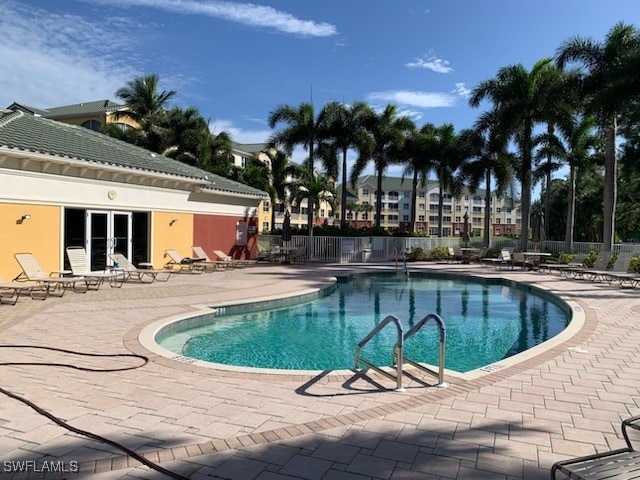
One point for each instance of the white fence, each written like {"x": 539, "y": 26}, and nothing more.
{"x": 382, "y": 249}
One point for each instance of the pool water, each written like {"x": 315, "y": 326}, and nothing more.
{"x": 486, "y": 321}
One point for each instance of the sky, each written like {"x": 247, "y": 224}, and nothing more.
{"x": 237, "y": 61}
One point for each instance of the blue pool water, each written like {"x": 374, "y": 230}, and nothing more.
{"x": 486, "y": 321}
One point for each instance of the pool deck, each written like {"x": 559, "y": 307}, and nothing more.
{"x": 512, "y": 422}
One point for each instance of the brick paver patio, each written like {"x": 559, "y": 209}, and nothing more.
{"x": 510, "y": 423}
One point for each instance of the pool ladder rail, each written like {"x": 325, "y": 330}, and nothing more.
{"x": 402, "y": 256}
{"x": 398, "y": 358}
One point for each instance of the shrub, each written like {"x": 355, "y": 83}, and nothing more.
{"x": 492, "y": 253}
{"x": 590, "y": 260}
{"x": 566, "y": 257}
{"x": 634, "y": 266}
{"x": 416, "y": 254}
{"x": 439, "y": 252}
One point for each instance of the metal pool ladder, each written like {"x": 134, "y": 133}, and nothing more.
{"x": 397, "y": 356}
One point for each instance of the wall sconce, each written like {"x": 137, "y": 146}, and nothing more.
{"x": 26, "y": 216}
{"x": 175, "y": 220}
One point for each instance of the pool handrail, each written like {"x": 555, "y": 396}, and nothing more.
{"x": 443, "y": 335}
{"x": 397, "y": 355}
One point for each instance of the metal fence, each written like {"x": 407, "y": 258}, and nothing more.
{"x": 382, "y": 249}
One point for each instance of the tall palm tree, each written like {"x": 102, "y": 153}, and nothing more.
{"x": 518, "y": 98}
{"x": 486, "y": 158}
{"x": 184, "y": 132}
{"x": 386, "y": 136}
{"x": 315, "y": 189}
{"x": 419, "y": 155}
{"x": 279, "y": 173}
{"x": 145, "y": 106}
{"x": 345, "y": 129}
{"x": 446, "y": 164}
{"x": 577, "y": 151}
{"x": 303, "y": 128}
{"x": 606, "y": 90}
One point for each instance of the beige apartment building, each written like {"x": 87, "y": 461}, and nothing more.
{"x": 396, "y": 208}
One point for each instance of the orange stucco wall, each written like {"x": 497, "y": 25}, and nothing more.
{"x": 39, "y": 235}
{"x": 216, "y": 232}
{"x": 167, "y": 234}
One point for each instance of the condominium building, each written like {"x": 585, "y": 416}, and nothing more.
{"x": 397, "y": 198}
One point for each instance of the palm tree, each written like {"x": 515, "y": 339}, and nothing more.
{"x": 386, "y": 136}
{"x": 145, "y": 105}
{"x": 316, "y": 190}
{"x": 606, "y": 90}
{"x": 518, "y": 98}
{"x": 280, "y": 172}
{"x": 184, "y": 133}
{"x": 576, "y": 150}
{"x": 486, "y": 158}
{"x": 303, "y": 128}
{"x": 447, "y": 161}
{"x": 345, "y": 129}
{"x": 419, "y": 154}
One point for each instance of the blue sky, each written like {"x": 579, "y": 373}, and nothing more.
{"x": 236, "y": 61}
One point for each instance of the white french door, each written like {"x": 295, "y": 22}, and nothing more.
{"x": 107, "y": 232}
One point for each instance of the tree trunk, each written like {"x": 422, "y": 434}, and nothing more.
{"x": 379, "y": 198}
{"x": 440, "y": 206}
{"x": 610, "y": 187}
{"x": 571, "y": 210}
{"x": 414, "y": 192}
{"x": 526, "y": 152}
{"x": 547, "y": 196}
{"x": 343, "y": 206}
{"x": 486, "y": 241}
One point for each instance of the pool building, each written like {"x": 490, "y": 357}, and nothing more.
{"x": 65, "y": 185}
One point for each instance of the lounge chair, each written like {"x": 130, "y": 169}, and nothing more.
{"x": 518, "y": 259}
{"x": 233, "y": 262}
{"x": 620, "y": 271}
{"x": 623, "y": 463}
{"x": 214, "y": 265}
{"x": 504, "y": 259}
{"x": 33, "y": 272}
{"x": 455, "y": 254}
{"x": 600, "y": 273}
{"x": 10, "y": 292}
{"x": 560, "y": 268}
{"x": 180, "y": 264}
{"x": 599, "y": 267}
{"x": 80, "y": 267}
{"x": 143, "y": 275}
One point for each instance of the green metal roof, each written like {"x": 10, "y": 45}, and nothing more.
{"x": 28, "y": 133}
{"x": 252, "y": 148}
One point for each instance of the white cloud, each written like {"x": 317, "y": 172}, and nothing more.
{"x": 415, "y": 98}
{"x": 462, "y": 90}
{"x": 52, "y": 59}
{"x": 245, "y": 13}
{"x": 431, "y": 62}
{"x": 239, "y": 134}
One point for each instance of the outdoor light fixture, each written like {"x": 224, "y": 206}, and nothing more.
{"x": 172, "y": 222}
{"x": 26, "y": 216}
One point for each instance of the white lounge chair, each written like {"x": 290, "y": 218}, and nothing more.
{"x": 132, "y": 272}
{"x": 10, "y": 292}
{"x": 180, "y": 264}
{"x": 80, "y": 267}
{"x": 232, "y": 261}
{"x": 211, "y": 264}
{"x": 33, "y": 272}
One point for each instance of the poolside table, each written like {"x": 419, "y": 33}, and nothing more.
{"x": 535, "y": 258}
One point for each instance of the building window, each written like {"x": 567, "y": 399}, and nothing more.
{"x": 265, "y": 206}
{"x": 265, "y": 226}
{"x": 458, "y": 208}
{"x": 498, "y": 209}
{"x": 421, "y": 195}
{"x": 393, "y": 195}
{"x": 497, "y": 220}
{"x": 421, "y": 218}
{"x": 508, "y": 220}
{"x": 365, "y": 191}
{"x": 458, "y": 219}
{"x": 304, "y": 210}
{"x": 405, "y": 206}
{"x": 421, "y": 206}
{"x": 322, "y": 212}
{"x": 433, "y": 197}
{"x": 405, "y": 218}
{"x": 94, "y": 125}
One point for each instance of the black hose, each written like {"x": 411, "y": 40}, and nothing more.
{"x": 71, "y": 428}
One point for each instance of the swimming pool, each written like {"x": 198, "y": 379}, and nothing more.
{"x": 486, "y": 321}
